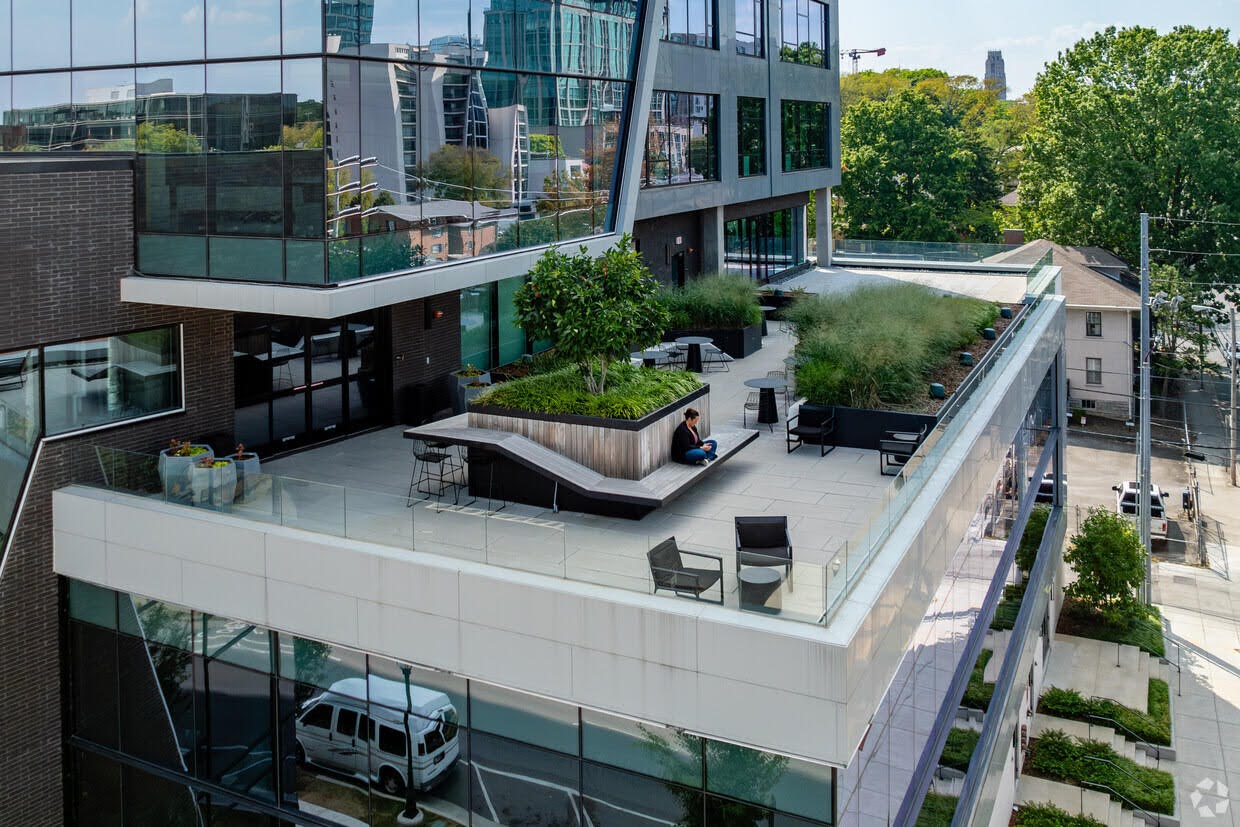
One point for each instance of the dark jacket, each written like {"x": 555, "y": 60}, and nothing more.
{"x": 684, "y": 439}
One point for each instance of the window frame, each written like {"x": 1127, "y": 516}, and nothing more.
{"x": 711, "y": 122}
{"x": 801, "y": 12}
{"x": 1093, "y": 370}
{"x": 1093, "y": 323}
{"x": 741, "y": 154}
{"x": 759, "y": 36}
{"x": 798, "y": 122}
{"x": 712, "y": 21}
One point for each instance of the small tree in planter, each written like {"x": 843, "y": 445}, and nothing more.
{"x": 593, "y": 308}
{"x": 1109, "y": 562}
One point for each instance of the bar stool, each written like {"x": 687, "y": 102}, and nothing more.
{"x": 486, "y": 459}
{"x": 432, "y": 463}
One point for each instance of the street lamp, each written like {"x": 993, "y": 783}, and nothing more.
{"x": 1231, "y": 410}
{"x": 411, "y": 815}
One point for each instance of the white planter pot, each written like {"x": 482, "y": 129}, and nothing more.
{"x": 214, "y": 487}
{"x": 174, "y": 472}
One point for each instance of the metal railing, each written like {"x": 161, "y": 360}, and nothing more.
{"x": 1128, "y": 734}
{"x": 1124, "y": 772}
{"x": 1153, "y": 819}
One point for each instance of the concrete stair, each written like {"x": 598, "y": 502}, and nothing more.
{"x": 1094, "y": 732}
{"x": 1080, "y": 801}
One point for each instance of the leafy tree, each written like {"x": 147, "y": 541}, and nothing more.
{"x": 910, "y": 174}
{"x": 592, "y": 307}
{"x": 308, "y": 135}
{"x": 468, "y": 174}
{"x": 1131, "y": 121}
{"x": 1109, "y": 562}
{"x": 562, "y": 192}
{"x": 545, "y": 146}
{"x": 165, "y": 137}
{"x": 807, "y": 53}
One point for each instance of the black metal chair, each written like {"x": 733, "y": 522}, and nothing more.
{"x": 814, "y": 424}
{"x": 763, "y": 541}
{"x": 897, "y": 448}
{"x": 668, "y": 571}
{"x": 432, "y": 463}
{"x": 482, "y": 459}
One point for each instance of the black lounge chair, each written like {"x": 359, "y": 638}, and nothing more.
{"x": 814, "y": 424}
{"x": 763, "y": 541}
{"x": 668, "y": 571}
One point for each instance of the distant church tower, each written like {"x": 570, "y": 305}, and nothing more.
{"x": 995, "y": 74}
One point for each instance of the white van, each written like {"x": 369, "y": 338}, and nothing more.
{"x": 334, "y": 730}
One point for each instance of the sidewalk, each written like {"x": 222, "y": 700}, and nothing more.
{"x": 1202, "y": 609}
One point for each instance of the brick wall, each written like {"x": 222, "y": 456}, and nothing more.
{"x": 422, "y": 387}
{"x": 66, "y": 238}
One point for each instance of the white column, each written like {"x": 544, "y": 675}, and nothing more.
{"x": 822, "y": 201}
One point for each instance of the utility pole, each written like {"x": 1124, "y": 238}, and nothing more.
{"x": 1143, "y": 478}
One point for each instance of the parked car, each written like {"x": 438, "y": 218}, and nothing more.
{"x": 1126, "y": 503}
{"x": 1046, "y": 488}
{"x": 340, "y": 731}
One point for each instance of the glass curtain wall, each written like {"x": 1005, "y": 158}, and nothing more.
{"x": 682, "y": 141}
{"x": 260, "y": 717}
{"x": 490, "y": 335}
{"x": 691, "y": 22}
{"x": 324, "y": 142}
{"x": 20, "y": 405}
{"x": 763, "y": 246}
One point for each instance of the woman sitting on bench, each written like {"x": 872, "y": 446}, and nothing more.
{"x": 687, "y": 446}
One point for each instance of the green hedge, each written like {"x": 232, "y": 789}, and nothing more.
{"x": 877, "y": 346}
{"x": 632, "y": 392}
{"x": 937, "y": 810}
{"x": 1153, "y": 727}
{"x": 1059, "y": 757}
{"x": 1083, "y": 620}
{"x": 1048, "y": 815}
{"x": 958, "y": 750}
{"x": 978, "y": 693}
{"x": 1009, "y": 607}
{"x": 713, "y": 302}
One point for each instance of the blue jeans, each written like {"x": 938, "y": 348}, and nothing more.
{"x": 707, "y": 451}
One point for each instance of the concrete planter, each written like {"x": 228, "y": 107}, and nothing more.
{"x": 625, "y": 448}
{"x": 174, "y": 472}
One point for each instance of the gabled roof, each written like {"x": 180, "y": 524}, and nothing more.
{"x": 1090, "y": 276}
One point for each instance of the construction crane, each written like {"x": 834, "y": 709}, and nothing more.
{"x": 855, "y": 55}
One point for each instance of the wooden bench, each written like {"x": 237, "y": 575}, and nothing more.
{"x": 569, "y": 484}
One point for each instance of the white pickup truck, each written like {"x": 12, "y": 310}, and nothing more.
{"x": 1127, "y": 505}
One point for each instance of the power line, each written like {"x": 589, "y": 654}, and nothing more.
{"x": 1195, "y": 221}
{"x": 1191, "y": 252}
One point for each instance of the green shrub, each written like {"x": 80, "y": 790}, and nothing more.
{"x": 937, "y": 810}
{"x": 1048, "y": 815}
{"x": 1142, "y": 629}
{"x": 632, "y": 392}
{"x": 718, "y": 301}
{"x": 1109, "y": 562}
{"x": 1009, "y": 607}
{"x": 877, "y": 345}
{"x": 958, "y": 750}
{"x": 1027, "y": 551}
{"x": 978, "y": 693}
{"x": 1153, "y": 727}
{"x": 1056, "y": 756}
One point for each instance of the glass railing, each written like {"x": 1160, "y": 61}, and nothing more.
{"x": 845, "y": 569}
{"x": 945, "y": 251}
{"x": 790, "y": 590}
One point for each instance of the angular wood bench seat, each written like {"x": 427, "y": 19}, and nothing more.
{"x": 656, "y": 489}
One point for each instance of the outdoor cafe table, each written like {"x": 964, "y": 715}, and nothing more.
{"x": 650, "y": 358}
{"x": 694, "y": 359}
{"x": 768, "y": 411}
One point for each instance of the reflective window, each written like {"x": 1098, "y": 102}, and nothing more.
{"x": 682, "y": 144}
{"x": 20, "y": 402}
{"x": 103, "y": 32}
{"x": 104, "y": 109}
{"x": 100, "y": 381}
{"x": 750, "y": 136}
{"x": 94, "y": 692}
{"x": 804, "y": 135}
{"x": 691, "y": 22}
{"x": 776, "y": 781}
{"x": 645, "y": 748}
{"x": 612, "y": 798}
{"x": 92, "y": 604}
{"x": 803, "y": 26}
{"x": 97, "y": 791}
{"x": 6, "y": 43}
{"x": 302, "y": 26}
{"x": 171, "y": 169}
{"x": 524, "y": 717}
{"x": 751, "y": 27}
{"x": 243, "y": 28}
{"x": 515, "y": 784}
{"x": 40, "y": 118}
{"x": 244, "y": 113}
{"x": 41, "y": 34}
{"x": 170, "y": 30}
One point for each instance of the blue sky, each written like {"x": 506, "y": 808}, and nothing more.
{"x": 954, "y": 36}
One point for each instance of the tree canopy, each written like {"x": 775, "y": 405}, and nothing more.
{"x": 468, "y": 174}
{"x": 911, "y": 172}
{"x": 1131, "y": 121}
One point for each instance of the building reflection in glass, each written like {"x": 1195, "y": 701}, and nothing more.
{"x": 421, "y": 133}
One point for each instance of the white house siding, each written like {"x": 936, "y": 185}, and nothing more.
{"x": 1113, "y": 398}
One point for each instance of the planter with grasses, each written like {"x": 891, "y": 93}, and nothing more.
{"x": 624, "y": 432}
{"x": 723, "y": 307}
{"x": 1093, "y": 764}
{"x": 1153, "y": 727}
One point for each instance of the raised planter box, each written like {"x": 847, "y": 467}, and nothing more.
{"x": 862, "y": 428}
{"x": 625, "y": 448}
{"x": 737, "y": 342}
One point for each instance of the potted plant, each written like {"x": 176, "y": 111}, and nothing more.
{"x": 248, "y": 469}
{"x": 213, "y": 482}
{"x": 473, "y": 390}
{"x": 470, "y": 374}
{"x": 175, "y": 463}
